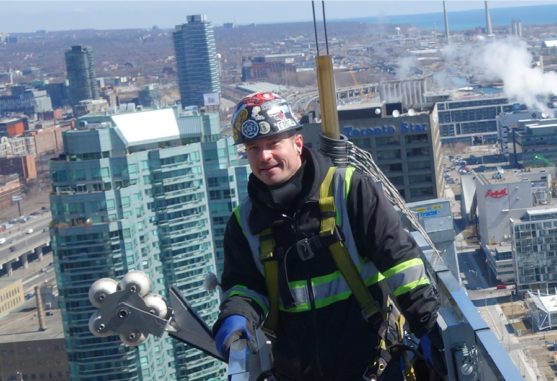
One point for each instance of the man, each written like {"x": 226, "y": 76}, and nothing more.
{"x": 320, "y": 332}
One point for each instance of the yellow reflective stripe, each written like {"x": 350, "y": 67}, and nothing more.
{"x": 347, "y": 181}
{"x": 326, "y": 301}
{"x": 318, "y": 280}
{"x": 334, "y": 276}
{"x": 236, "y": 212}
{"x": 410, "y": 286}
{"x": 327, "y": 203}
{"x": 303, "y": 307}
{"x": 241, "y": 290}
{"x": 403, "y": 266}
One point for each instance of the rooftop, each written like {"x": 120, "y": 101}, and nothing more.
{"x": 23, "y": 325}
{"x": 506, "y": 176}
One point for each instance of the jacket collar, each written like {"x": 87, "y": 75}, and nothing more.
{"x": 270, "y": 204}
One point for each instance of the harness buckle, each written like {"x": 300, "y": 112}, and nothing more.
{"x": 304, "y": 250}
{"x": 374, "y": 371}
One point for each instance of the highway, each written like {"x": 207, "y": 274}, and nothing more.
{"x": 20, "y": 242}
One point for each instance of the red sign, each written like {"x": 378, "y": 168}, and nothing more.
{"x": 496, "y": 193}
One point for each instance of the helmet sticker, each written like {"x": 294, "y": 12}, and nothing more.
{"x": 283, "y": 124}
{"x": 264, "y": 128}
{"x": 250, "y": 129}
{"x": 241, "y": 118}
{"x": 255, "y": 113}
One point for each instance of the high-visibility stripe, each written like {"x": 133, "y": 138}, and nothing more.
{"x": 403, "y": 266}
{"x": 347, "y": 181}
{"x": 326, "y": 289}
{"x": 241, "y": 290}
{"x": 406, "y": 273}
{"x": 410, "y": 286}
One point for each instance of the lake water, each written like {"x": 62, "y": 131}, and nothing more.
{"x": 462, "y": 20}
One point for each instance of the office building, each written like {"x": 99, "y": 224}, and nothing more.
{"x": 535, "y": 250}
{"x": 32, "y": 348}
{"x": 406, "y": 147}
{"x": 536, "y": 141}
{"x": 196, "y": 61}
{"x": 30, "y": 102}
{"x": 129, "y": 192}
{"x": 81, "y": 74}
{"x": 508, "y": 124}
{"x": 499, "y": 197}
{"x": 471, "y": 119}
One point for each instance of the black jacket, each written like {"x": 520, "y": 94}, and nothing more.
{"x": 331, "y": 343}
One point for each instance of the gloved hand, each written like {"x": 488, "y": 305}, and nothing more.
{"x": 431, "y": 348}
{"x": 233, "y": 328}
{"x": 425, "y": 348}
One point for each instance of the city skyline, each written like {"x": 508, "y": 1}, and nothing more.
{"x": 30, "y": 16}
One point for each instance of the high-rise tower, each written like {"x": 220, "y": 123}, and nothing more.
{"x": 196, "y": 61}
{"x": 129, "y": 194}
{"x": 81, "y": 74}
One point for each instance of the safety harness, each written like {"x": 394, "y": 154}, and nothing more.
{"x": 391, "y": 330}
{"x": 353, "y": 276}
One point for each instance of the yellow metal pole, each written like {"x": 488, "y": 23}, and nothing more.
{"x": 327, "y": 96}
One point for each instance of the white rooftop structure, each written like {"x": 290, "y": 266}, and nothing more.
{"x": 549, "y": 43}
{"x": 145, "y": 127}
{"x": 544, "y": 310}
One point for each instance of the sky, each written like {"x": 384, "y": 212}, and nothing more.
{"x": 29, "y": 16}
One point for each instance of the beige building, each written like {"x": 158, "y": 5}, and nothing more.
{"x": 11, "y": 295}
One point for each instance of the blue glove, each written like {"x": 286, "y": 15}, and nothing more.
{"x": 232, "y": 328}
{"x": 425, "y": 349}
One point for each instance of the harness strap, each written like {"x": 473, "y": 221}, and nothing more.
{"x": 339, "y": 252}
{"x": 270, "y": 268}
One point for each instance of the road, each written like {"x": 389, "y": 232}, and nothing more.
{"x": 472, "y": 274}
{"x": 19, "y": 241}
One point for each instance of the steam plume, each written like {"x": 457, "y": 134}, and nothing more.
{"x": 508, "y": 61}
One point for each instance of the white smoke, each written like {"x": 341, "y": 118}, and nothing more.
{"x": 508, "y": 61}
{"x": 406, "y": 67}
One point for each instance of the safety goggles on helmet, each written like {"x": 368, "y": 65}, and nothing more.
{"x": 260, "y": 115}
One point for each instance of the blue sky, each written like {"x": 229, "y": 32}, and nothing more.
{"x": 29, "y": 16}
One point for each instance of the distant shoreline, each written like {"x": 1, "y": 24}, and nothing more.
{"x": 470, "y": 19}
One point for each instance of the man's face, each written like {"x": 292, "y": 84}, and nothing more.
{"x": 275, "y": 159}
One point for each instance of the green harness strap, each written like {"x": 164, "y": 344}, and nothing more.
{"x": 338, "y": 251}
{"x": 270, "y": 267}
